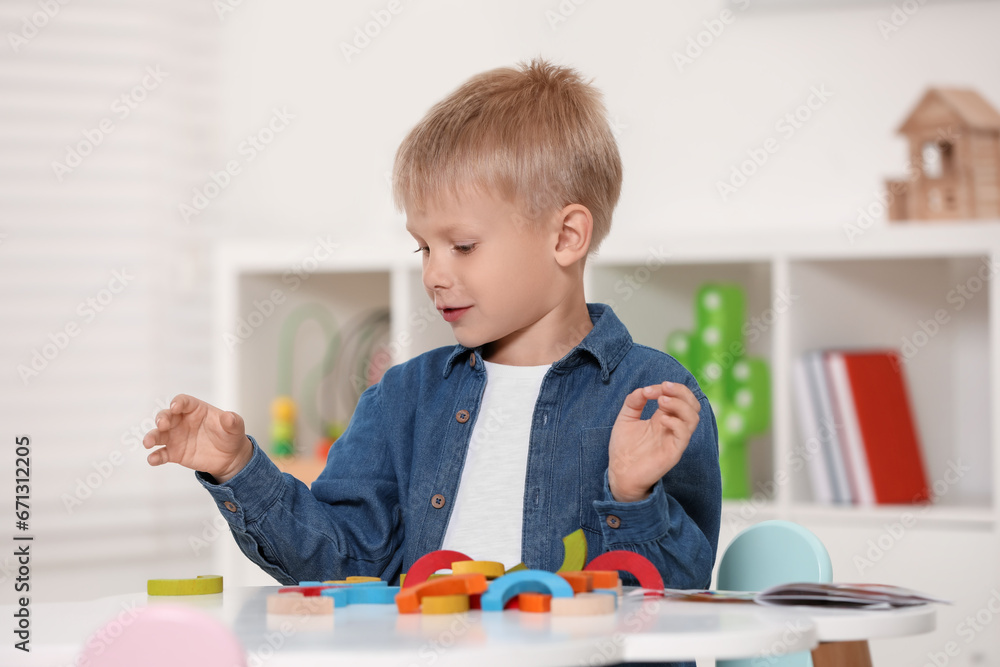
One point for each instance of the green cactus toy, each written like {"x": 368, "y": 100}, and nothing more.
{"x": 739, "y": 388}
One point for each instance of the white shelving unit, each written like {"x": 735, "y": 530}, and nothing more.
{"x": 807, "y": 290}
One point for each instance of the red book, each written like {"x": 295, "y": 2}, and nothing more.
{"x": 879, "y": 425}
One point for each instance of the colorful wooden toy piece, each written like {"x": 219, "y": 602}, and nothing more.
{"x": 489, "y": 568}
{"x": 444, "y": 604}
{"x": 360, "y": 580}
{"x": 610, "y": 592}
{"x": 343, "y": 594}
{"x": 205, "y": 584}
{"x": 371, "y": 594}
{"x": 534, "y": 602}
{"x": 428, "y": 564}
{"x": 517, "y": 568}
{"x": 378, "y": 583}
{"x": 628, "y": 561}
{"x": 305, "y": 591}
{"x": 408, "y": 599}
{"x": 602, "y": 578}
{"x": 298, "y": 604}
{"x": 582, "y": 582}
{"x": 584, "y": 604}
{"x": 575, "y": 546}
{"x": 526, "y": 581}
{"x": 334, "y": 584}
{"x": 402, "y": 577}
{"x": 474, "y": 602}
{"x": 339, "y": 595}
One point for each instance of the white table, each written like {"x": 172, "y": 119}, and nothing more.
{"x": 641, "y": 629}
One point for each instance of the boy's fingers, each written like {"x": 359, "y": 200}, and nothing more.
{"x": 182, "y": 404}
{"x": 676, "y": 424}
{"x": 149, "y": 440}
{"x": 158, "y": 457}
{"x": 681, "y": 391}
{"x": 231, "y": 422}
{"x": 677, "y": 407}
{"x": 165, "y": 420}
{"x": 634, "y": 403}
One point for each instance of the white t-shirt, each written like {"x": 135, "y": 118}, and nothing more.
{"x": 488, "y": 512}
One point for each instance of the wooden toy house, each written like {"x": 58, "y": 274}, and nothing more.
{"x": 954, "y": 167}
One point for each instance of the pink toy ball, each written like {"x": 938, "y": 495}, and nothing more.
{"x": 162, "y": 635}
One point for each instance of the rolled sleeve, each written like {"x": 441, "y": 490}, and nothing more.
{"x": 645, "y": 520}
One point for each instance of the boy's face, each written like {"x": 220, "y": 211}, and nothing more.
{"x": 490, "y": 273}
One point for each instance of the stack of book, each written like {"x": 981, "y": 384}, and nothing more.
{"x": 858, "y": 432}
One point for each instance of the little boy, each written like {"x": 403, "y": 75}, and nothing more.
{"x": 543, "y": 419}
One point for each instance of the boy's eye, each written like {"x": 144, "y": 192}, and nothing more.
{"x": 465, "y": 249}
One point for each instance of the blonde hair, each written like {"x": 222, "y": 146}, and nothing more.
{"x": 537, "y": 136}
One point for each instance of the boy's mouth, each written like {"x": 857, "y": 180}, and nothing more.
{"x": 452, "y": 314}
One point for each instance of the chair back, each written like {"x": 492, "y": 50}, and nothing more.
{"x": 163, "y": 635}
{"x": 768, "y": 554}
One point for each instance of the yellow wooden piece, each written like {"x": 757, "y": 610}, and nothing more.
{"x": 583, "y": 604}
{"x": 205, "y": 584}
{"x": 517, "y": 568}
{"x": 444, "y": 604}
{"x": 359, "y": 579}
{"x": 489, "y": 568}
{"x": 300, "y": 605}
{"x": 337, "y": 581}
{"x": 575, "y": 546}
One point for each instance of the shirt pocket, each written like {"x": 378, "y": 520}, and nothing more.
{"x": 593, "y": 465}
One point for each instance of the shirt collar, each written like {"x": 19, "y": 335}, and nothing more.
{"x": 607, "y": 343}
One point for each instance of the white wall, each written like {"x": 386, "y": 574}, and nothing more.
{"x": 682, "y": 129}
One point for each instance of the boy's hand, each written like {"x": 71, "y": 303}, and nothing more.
{"x": 643, "y": 451}
{"x": 199, "y": 436}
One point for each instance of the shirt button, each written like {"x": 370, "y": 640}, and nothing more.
{"x": 472, "y": 360}
{"x": 613, "y": 521}
{"x": 462, "y": 416}
{"x": 230, "y": 506}
{"x": 437, "y": 500}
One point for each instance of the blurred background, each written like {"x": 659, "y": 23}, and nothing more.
{"x": 136, "y": 136}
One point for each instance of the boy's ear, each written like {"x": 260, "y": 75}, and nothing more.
{"x": 575, "y": 228}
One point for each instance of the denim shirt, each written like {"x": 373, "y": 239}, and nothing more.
{"x": 386, "y": 494}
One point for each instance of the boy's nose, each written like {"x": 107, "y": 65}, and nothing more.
{"x": 436, "y": 275}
